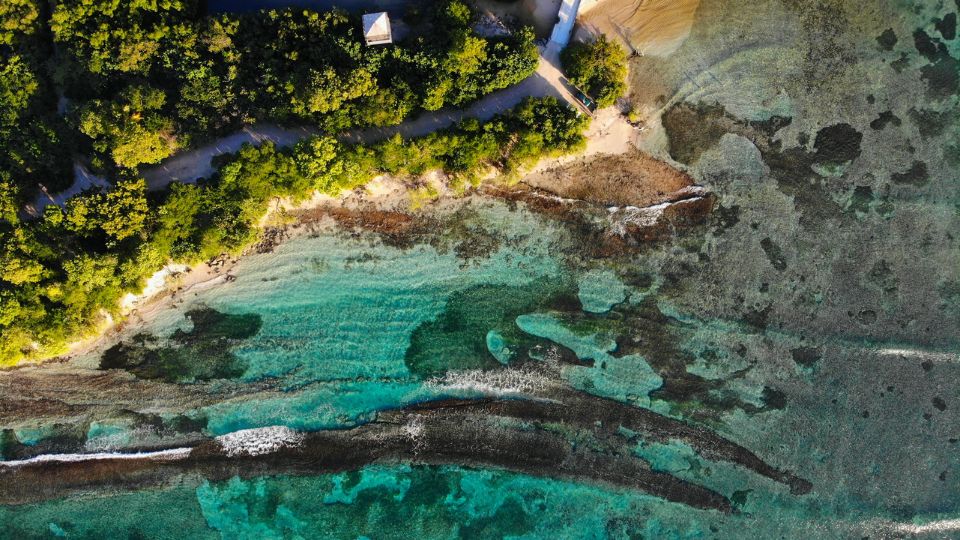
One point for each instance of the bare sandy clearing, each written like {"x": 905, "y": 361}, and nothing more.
{"x": 649, "y": 27}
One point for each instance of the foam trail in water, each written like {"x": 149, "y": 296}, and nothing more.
{"x": 172, "y": 454}
{"x": 933, "y": 356}
{"x": 258, "y": 441}
{"x": 490, "y": 382}
{"x": 939, "y": 526}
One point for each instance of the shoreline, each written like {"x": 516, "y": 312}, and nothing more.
{"x": 172, "y": 281}
{"x": 608, "y": 136}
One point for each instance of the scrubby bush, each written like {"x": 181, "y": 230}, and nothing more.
{"x": 598, "y": 68}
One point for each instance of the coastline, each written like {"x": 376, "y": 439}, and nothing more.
{"x": 609, "y": 136}
{"x": 174, "y": 280}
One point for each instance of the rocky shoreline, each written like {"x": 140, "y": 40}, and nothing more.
{"x": 383, "y": 208}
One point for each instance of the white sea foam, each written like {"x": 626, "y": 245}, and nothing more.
{"x": 647, "y": 216}
{"x": 508, "y": 381}
{"x": 693, "y": 190}
{"x": 258, "y": 441}
{"x": 414, "y": 428}
{"x": 943, "y": 525}
{"x": 414, "y": 431}
{"x": 155, "y": 284}
{"x": 939, "y": 526}
{"x": 164, "y": 455}
{"x": 933, "y": 356}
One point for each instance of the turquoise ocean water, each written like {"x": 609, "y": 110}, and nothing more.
{"x": 813, "y": 320}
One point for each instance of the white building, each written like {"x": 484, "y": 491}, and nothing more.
{"x": 376, "y": 28}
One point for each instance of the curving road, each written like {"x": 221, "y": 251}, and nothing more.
{"x": 188, "y": 166}
{"x": 193, "y": 164}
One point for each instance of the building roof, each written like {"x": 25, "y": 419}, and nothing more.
{"x": 376, "y": 24}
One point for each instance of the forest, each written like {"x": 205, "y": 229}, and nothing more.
{"x": 116, "y": 85}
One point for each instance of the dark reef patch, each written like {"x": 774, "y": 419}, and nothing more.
{"x": 773, "y": 398}
{"x": 916, "y": 175}
{"x": 942, "y": 77}
{"x": 861, "y": 199}
{"x": 942, "y": 74}
{"x": 774, "y": 254}
{"x": 62, "y": 438}
{"x": 457, "y": 338}
{"x": 837, "y": 144}
{"x": 885, "y": 118}
{"x": 947, "y": 26}
{"x": 925, "y": 45}
{"x": 757, "y": 317}
{"x": 901, "y": 63}
{"x": 887, "y": 39}
{"x": 688, "y": 144}
{"x": 806, "y": 356}
{"x": 726, "y": 218}
{"x": 931, "y": 123}
{"x": 939, "y": 403}
{"x": 201, "y": 354}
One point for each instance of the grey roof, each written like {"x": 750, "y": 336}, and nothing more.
{"x": 376, "y": 24}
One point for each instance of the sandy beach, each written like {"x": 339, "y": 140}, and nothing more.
{"x": 647, "y": 27}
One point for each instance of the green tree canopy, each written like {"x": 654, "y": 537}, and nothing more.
{"x": 130, "y": 128}
{"x": 18, "y": 20}
{"x": 598, "y": 68}
{"x": 119, "y": 213}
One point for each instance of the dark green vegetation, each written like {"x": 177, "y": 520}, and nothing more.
{"x": 598, "y": 68}
{"x": 63, "y": 272}
{"x": 33, "y": 138}
{"x": 147, "y": 78}
{"x": 220, "y": 215}
{"x": 120, "y": 84}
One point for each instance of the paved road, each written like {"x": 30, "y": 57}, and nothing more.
{"x": 191, "y": 165}
{"x": 82, "y": 180}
